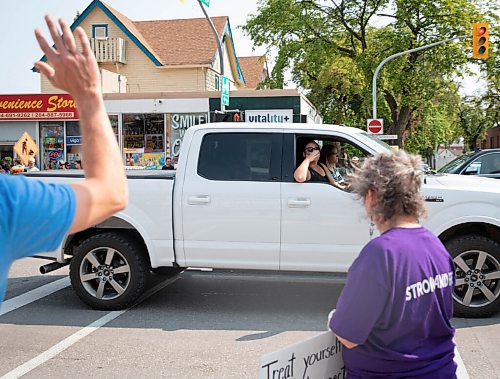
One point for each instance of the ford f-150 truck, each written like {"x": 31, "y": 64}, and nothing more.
{"x": 233, "y": 204}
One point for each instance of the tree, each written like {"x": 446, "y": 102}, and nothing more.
{"x": 475, "y": 119}
{"x": 438, "y": 124}
{"x": 332, "y": 48}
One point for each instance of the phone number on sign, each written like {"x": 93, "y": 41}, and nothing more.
{"x": 38, "y": 115}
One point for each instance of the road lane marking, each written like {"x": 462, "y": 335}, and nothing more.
{"x": 74, "y": 338}
{"x": 33, "y": 295}
{"x": 61, "y": 346}
{"x": 461, "y": 370}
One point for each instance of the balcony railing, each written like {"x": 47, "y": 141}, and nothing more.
{"x": 109, "y": 50}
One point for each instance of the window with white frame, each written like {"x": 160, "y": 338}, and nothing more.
{"x": 100, "y": 31}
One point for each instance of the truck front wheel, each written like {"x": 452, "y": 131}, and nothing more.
{"x": 108, "y": 271}
{"x": 477, "y": 276}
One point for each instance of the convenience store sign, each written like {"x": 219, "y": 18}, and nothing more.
{"x": 37, "y": 107}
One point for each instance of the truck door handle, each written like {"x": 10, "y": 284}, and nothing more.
{"x": 198, "y": 199}
{"x": 301, "y": 202}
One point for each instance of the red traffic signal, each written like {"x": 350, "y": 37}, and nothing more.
{"x": 480, "y": 34}
{"x": 228, "y": 116}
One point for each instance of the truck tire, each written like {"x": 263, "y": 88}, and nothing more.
{"x": 109, "y": 271}
{"x": 477, "y": 276}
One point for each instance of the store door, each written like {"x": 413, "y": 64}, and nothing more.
{"x": 6, "y": 150}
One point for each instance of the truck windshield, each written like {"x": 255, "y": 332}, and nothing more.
{"x": 375, "y": 143}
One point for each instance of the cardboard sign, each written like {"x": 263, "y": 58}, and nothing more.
{"x": 319, "y": 357}
{"x": 25, "y": 148}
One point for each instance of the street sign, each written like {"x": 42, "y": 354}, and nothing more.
{"x": 375, "y": 125}
{"x": 387, "y": 136}
{"x": 25, "y": 148}
{"x": 206, "y": 3}
{"x": 225, "y": 90}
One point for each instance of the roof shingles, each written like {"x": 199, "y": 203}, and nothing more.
{"x": 182, "y": 42}
{"x": 253, "y": 69}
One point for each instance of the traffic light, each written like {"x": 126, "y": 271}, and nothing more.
{"x": 228, "y": 116}
{"x": 480, "y": 33}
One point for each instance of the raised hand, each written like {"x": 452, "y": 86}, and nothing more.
{"x": 312, "y": 156}
{"x": 70, "y": 69}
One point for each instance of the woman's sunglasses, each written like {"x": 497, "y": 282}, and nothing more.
{"x": 311, "y": 149}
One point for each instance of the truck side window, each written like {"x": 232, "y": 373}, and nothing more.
{"x": 238, "y": 156}
{"x": 339, "y": 155}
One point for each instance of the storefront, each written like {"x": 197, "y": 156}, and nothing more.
{"x": 43, "y": 117}
{"x": 147, "y": 129}
{"x": 281, "y": 106}
{"x": 152, "y": 129}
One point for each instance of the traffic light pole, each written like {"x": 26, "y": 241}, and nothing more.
{"x": 219, "y": 48}
{"x": 374, "y": 81}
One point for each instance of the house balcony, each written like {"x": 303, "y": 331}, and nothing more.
{"x": 109, "y": 50}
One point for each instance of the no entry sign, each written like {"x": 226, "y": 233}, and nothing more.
{"x": 375, "y": 125}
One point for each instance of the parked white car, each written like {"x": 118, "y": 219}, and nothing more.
{"x": 233, "y": 204}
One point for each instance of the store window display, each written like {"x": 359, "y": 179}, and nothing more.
{"x": 178, "y": 124}
{"x": 73, "y": 143}
{"x": 144, "y": 140}
{"x": 52, "y": 140}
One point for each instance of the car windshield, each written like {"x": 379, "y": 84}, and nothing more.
{"x": 454, "y": 164}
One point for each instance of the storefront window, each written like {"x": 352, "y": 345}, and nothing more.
{"x": 73, "y": 143}
{"x": 113, "y": 118}
{"x": 52, "y": 141}
{"x": 144, "y": 140}
{"x": 179, "y": 123}
{"x": 6, "y": 150}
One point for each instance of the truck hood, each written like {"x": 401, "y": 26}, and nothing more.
{"x": 463, "y": 182}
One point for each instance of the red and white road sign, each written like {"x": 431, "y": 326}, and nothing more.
{"x": 375, "y": 125}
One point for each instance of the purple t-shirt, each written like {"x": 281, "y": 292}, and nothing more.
{"x": 397, "y": 305}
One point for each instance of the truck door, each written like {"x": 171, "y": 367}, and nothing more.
{"x": 231, "y": 200}
{"x": 323, "y": 227}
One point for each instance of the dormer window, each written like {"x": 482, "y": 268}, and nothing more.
{"x": 100, "y": 31}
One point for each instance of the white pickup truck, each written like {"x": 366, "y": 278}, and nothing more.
{"x": 233, "y": 204}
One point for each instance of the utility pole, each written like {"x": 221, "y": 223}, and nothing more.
{"x": 219, "y": 48}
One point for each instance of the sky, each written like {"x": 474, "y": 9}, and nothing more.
{"x": 18, "y": 21}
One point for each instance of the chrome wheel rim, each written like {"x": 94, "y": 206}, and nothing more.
{"x": 105, "y": 273}
{"x": 477, "y": 278}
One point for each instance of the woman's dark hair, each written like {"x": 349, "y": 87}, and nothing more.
{"x": 307, "y": 142}
{"x": 396, "y": 179}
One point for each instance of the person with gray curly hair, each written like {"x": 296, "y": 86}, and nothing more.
{"x": 394, "y": 313}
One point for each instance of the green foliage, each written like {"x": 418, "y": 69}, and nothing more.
{"x": 438, "y": 124}
{"x": 333, "y": 48}
{"x": 475, "y": 117}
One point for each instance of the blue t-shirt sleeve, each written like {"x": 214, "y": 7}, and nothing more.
{"x": 38, "y": 215}
{"x": 363, "y": 298}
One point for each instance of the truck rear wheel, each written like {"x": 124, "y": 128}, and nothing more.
{"x": 109, "y": 271}
{"x": 477, "y": 276}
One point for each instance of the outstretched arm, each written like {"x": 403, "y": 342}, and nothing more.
{"x": 104, "y": 190}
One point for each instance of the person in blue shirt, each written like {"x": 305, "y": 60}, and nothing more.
{"x": 36, "y": 216}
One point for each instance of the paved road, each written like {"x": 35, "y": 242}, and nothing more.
{"x": 200, "y": 325}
